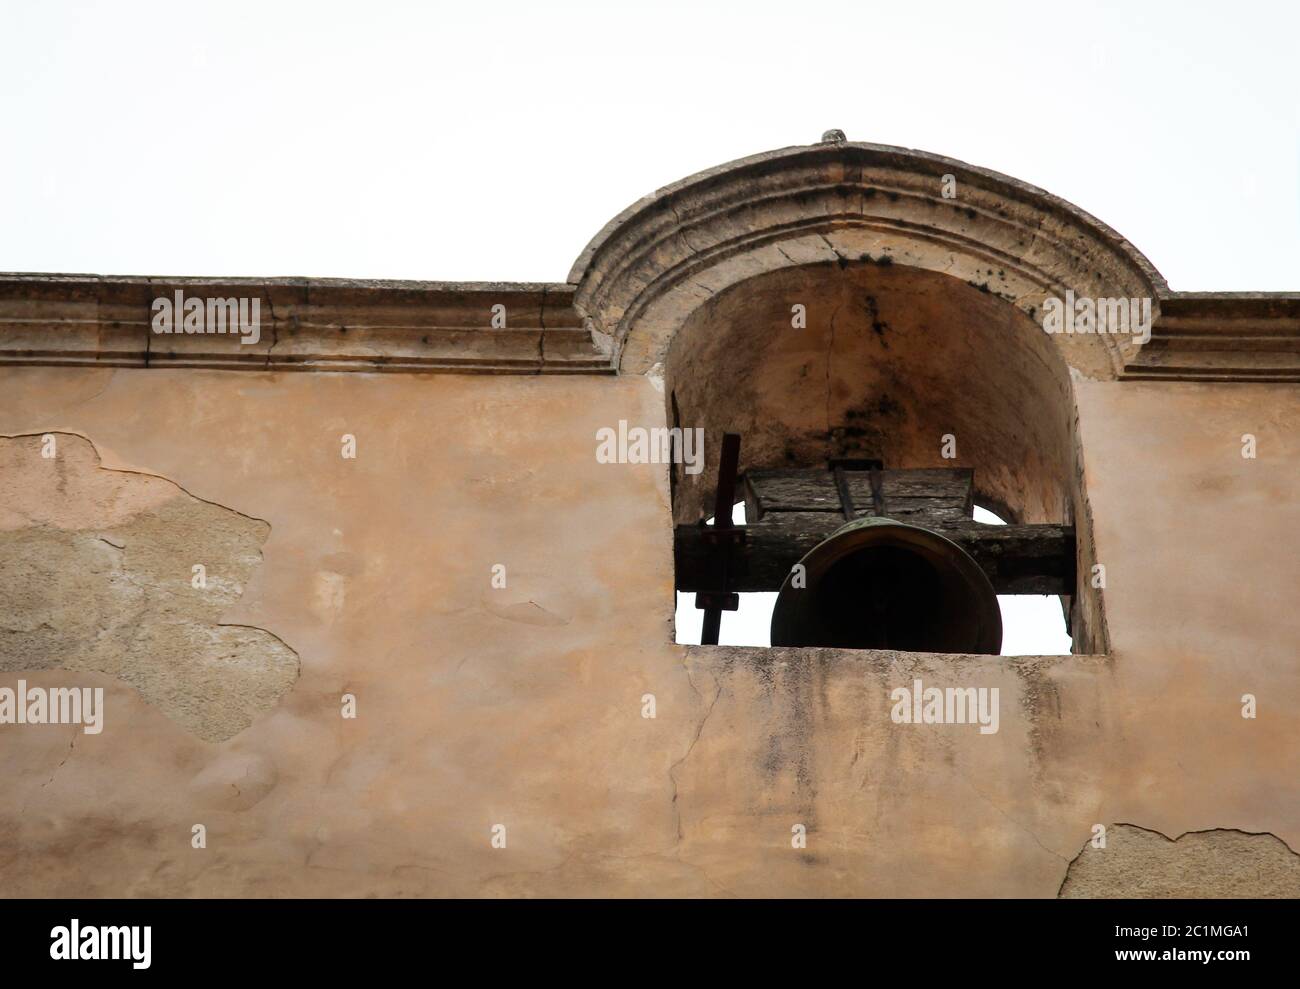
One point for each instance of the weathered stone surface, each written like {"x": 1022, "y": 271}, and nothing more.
{"x": 642, "y": 275}
{"x": 306, "y": 324}
{"x": 377, "y": 572}
{"x": 1141, "y": 864}
{"x": 1222, "y": 336}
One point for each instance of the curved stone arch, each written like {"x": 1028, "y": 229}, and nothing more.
{"x": 658, "y": 260}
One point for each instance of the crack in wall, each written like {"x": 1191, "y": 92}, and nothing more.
{"x": 1037, "y": 841}
{"x": 699, "y": 730}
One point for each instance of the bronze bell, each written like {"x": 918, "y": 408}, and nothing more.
{"x": 876, "y": 583}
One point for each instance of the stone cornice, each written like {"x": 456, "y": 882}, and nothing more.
{"x": 1222, "y": 336}
{"x": 657, "y": 261}
{"x": 306, "y": 324}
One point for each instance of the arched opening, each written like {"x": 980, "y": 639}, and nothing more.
{"x": 871, "y": 302}
{"x": 863, "y": 359}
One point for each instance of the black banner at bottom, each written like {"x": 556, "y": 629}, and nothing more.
{"x": 166, "y": 938}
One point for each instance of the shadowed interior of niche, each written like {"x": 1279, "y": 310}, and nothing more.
{"x": 915, "y": 370}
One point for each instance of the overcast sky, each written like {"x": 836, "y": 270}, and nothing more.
{"x": 491, "y": 141}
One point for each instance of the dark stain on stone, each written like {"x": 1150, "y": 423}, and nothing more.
{"x": 877, "y": 324}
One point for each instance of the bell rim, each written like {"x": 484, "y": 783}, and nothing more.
{"x": 931, "y": 541}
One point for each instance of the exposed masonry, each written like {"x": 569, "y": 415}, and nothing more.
{"x": 96, "y": 575}
{"x": 1140, "y": 863}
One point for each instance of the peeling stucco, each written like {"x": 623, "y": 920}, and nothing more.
{"x": 97, "y": 573}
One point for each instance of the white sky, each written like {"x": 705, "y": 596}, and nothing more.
{"x": 491, "y": 141}
{"x": 459, "y": 141}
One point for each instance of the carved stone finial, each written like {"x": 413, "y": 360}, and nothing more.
{"x": 835, "y": 136}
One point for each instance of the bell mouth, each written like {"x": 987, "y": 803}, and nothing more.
{"x": 877, "y": 583}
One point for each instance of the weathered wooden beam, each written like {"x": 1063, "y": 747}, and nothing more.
{"x": 721, "y": 598}
{"x": 941, "y": 491}
{"x": 1018, "y": 559}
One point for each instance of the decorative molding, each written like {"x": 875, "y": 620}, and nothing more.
{"x": 656, "y": 262}
{"x": 660, "y": 259}
{"x": 1222, "y": 336}
{"x": 307, "y": 324}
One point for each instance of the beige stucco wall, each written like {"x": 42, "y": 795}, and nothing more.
{"x": 523, "y": 706}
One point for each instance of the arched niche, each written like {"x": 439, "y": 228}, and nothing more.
{"x": 894, "y": 363}
{"x": 922, "y": 280}
{"x": 891, "y": 361}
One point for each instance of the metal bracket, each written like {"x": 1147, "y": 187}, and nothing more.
{"x": 841, "y": 464}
